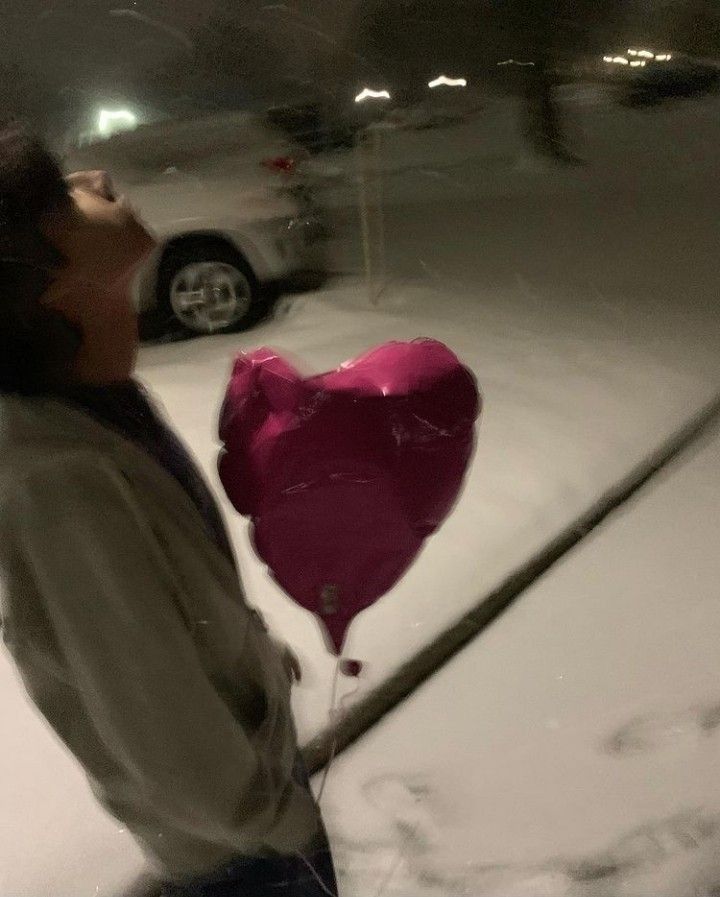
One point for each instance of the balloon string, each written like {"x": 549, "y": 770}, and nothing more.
{"x": 332, "y": 715}
{"x": 316, "y": 876}
{"x": 334, "y": 691}
{"x": 335, "y": 713}
{"x": 331, "y": 718}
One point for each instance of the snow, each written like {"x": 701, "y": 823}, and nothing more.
{"x": 487, "y": 155}
{"x": 583, "y": 727}
{"x": 573, "y": 402}
{"x": 586, "y": 303}
{"x": 238, "y": 140}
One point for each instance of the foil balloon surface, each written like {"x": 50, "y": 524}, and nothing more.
{"x": 345, "y": 474}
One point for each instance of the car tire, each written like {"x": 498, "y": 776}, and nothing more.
{"x": 206, "y": 287}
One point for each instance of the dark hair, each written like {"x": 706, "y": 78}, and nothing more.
{"x": 37, "y": 344}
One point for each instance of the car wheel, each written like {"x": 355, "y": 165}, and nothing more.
{"x": 208, "y": 288}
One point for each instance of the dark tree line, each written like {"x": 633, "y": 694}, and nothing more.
{"x": 230, "y": 55}
{"x": 411, "y": 39}
{"x": 416, "y": 38}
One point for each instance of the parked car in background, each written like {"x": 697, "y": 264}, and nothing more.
{"x": 680, "y": 77}
{"x": 232, "y": 209}
{"x": 648, "y": 80}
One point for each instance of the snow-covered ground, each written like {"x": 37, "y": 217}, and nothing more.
{"x": 589, "y": 315}
{"x": 487, "y": 154}
{"x": 590, "y": 318}
{"x": 573, "y": 749}
{"x": 572, "y": 403}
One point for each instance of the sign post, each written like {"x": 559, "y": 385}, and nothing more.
{"x": 370, "y": 203}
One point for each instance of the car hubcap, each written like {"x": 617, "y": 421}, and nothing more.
{"x": 210, "y": 296}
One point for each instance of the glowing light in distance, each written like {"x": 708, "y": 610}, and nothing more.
{"x": 444, "y": 81}
{"x": 620, "y": 60}
{"x": 367, "y": 94}
{"x": 514, "y": 62}
{"x": 110, "y": 119}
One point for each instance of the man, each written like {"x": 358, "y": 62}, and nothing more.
{"x": 121, "y": 603}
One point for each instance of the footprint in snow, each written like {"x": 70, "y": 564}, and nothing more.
{"x": 647, "y": 733}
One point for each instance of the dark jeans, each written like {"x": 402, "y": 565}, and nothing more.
{"x": 277, "y": 876}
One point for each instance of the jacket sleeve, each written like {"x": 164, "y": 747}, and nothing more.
{"x": 109, "y": 595}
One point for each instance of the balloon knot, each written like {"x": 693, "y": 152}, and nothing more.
{"x": 350, "y": 667}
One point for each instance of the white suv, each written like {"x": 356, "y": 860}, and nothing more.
{"x": 227, "y": 197}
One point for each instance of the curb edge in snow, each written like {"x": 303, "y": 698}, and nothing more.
{"x": 412, "y": 674}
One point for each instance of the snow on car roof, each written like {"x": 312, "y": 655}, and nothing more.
{"x": 162, "y": 144}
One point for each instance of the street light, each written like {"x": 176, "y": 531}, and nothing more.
{"x": 110, "y": 120}
{"x": 444, "y": 81}
{"x": 367, "y": 94}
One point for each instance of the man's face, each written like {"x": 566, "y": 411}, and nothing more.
{"x": 100, "y": 237}
{"x": 103, "y": 243}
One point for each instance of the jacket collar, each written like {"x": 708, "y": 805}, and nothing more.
{"x": 29, "y": 420}
{"x": 51, "y": 425}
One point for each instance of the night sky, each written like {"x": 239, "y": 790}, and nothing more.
{"x": 82, "y": 53}
{"x": 73, "y": 41}
{"x": 71, "y": 56}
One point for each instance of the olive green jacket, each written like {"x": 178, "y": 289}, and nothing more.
{"x": 132, "y": 636}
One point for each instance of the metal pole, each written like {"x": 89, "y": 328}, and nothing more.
{"x": 370, "y": 204}
{"x": 364, "y": 209}
{"x": 379, "y": 212}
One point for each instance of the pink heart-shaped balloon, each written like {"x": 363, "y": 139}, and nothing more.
{"x": 345, "y": 474}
